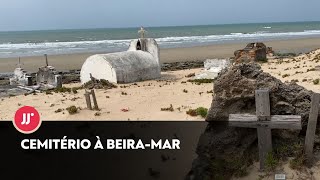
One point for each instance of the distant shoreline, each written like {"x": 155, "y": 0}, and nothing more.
{"x": 198, "y": 53}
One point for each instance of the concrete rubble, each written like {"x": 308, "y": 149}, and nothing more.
{"x": 212, "y": 68}
{"x": 253, "y": 52}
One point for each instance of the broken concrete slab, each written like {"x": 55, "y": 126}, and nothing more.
{"x": 212, "y": 68}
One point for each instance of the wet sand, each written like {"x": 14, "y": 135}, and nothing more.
{"x": 75, "y": 61}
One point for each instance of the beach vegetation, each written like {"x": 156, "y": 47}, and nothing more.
{"x": 200, "y": 111}
{"x": 210, "y": 92}
{"x": 58, "y": 110}
{"x": 192, "y": 112}
{"x": 170, "y": 108}
{"x": 190, "y": 75}
{"x": 263, "y": 60}
{"x": 201, "y": 81}
{"x": 72, "y": 109}
{"x": 316, "y": 81}
{"x": 312, "y": 69}
{"x": 285, "y": 75}
{"x": 185, "y": 91}
{"x": 99, "y": 84}
{"x": 48, "y": 92}
{"x": 271, "y": 162}
{"x": 290, "y": 54}
{"x": 62, "y": 90}
{"x": 75, "y": 89}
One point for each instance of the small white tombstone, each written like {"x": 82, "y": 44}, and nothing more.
{"x": 212, "y": 68}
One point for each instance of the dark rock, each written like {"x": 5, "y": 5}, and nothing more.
{"x": 220, "y": 147}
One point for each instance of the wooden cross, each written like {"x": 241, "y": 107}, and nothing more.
{"x": 19, "y": 63}
{"x": 264, "y": 122}
{"x": 312, "y": 125}
{"x": 46, "y": 57}
{"x": 88, "y": 100}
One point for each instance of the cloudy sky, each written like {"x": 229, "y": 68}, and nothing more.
{"x": 76, "y": 14}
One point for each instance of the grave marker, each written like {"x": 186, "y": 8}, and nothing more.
{"x": 264, "y": 122}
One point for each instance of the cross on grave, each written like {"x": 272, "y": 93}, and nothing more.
{"x": 142, "y": 32}
{"x": 46, "y": 57}
{"x": 19, "y": 63}
{"x": 264, "y": 122}
{"x": 88, "y": 100}
{"x": 311, "y": 129}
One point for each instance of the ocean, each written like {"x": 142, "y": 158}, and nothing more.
{"x": 35, "y": 43}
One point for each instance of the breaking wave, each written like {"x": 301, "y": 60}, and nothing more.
{"x": 29, "y": 49}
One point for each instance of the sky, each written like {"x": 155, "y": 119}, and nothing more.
{"x": 18, "y": 15}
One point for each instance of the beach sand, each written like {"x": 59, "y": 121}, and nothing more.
{"x": 143, "y": 101}
{"x": 75, "y": 61}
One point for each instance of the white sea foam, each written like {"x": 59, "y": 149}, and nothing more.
{"x": 115, "y": 45}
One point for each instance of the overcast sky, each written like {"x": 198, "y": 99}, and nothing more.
{"x": 66, "y": 14}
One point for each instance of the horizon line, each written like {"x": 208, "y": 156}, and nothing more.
{"x": 131, "y": 27}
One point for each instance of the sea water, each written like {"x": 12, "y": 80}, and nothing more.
{"x": 34, "y": 43}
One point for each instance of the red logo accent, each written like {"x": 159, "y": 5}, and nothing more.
{"x": 27, "y": 120}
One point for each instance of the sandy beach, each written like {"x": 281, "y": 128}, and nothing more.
{"x": 75, "y": 61}
{"x": 136, "y": 101}
{"x": 144, "y": 100}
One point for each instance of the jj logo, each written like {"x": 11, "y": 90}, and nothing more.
{"x": 26, "y": 118}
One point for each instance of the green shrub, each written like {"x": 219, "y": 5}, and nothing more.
{"x": 202, "y": 111}
{"x": 201, "y": 81}
{"x": 72, "y": 110}
{"x": 285, "y": 75}
{"x": 192, "y": 112}
{"x": 271, "y": 162}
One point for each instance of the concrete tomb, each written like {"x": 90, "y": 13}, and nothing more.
{"x": 48, "y": 76}
{"x": 140, "y": 62}
{"x": 20, "y": 77}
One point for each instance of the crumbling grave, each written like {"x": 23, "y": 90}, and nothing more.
{"x": 220, "y": 147}
{"x": 23, "y": 82}
{"x": 253, "y": 52}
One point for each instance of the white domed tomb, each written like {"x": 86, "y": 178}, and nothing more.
{"x": 140, "y": 62}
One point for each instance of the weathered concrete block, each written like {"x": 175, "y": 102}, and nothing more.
{"x": 19, "y": 77}
{"x": 47, "y": 75}
{"x": 212, "y": 68}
